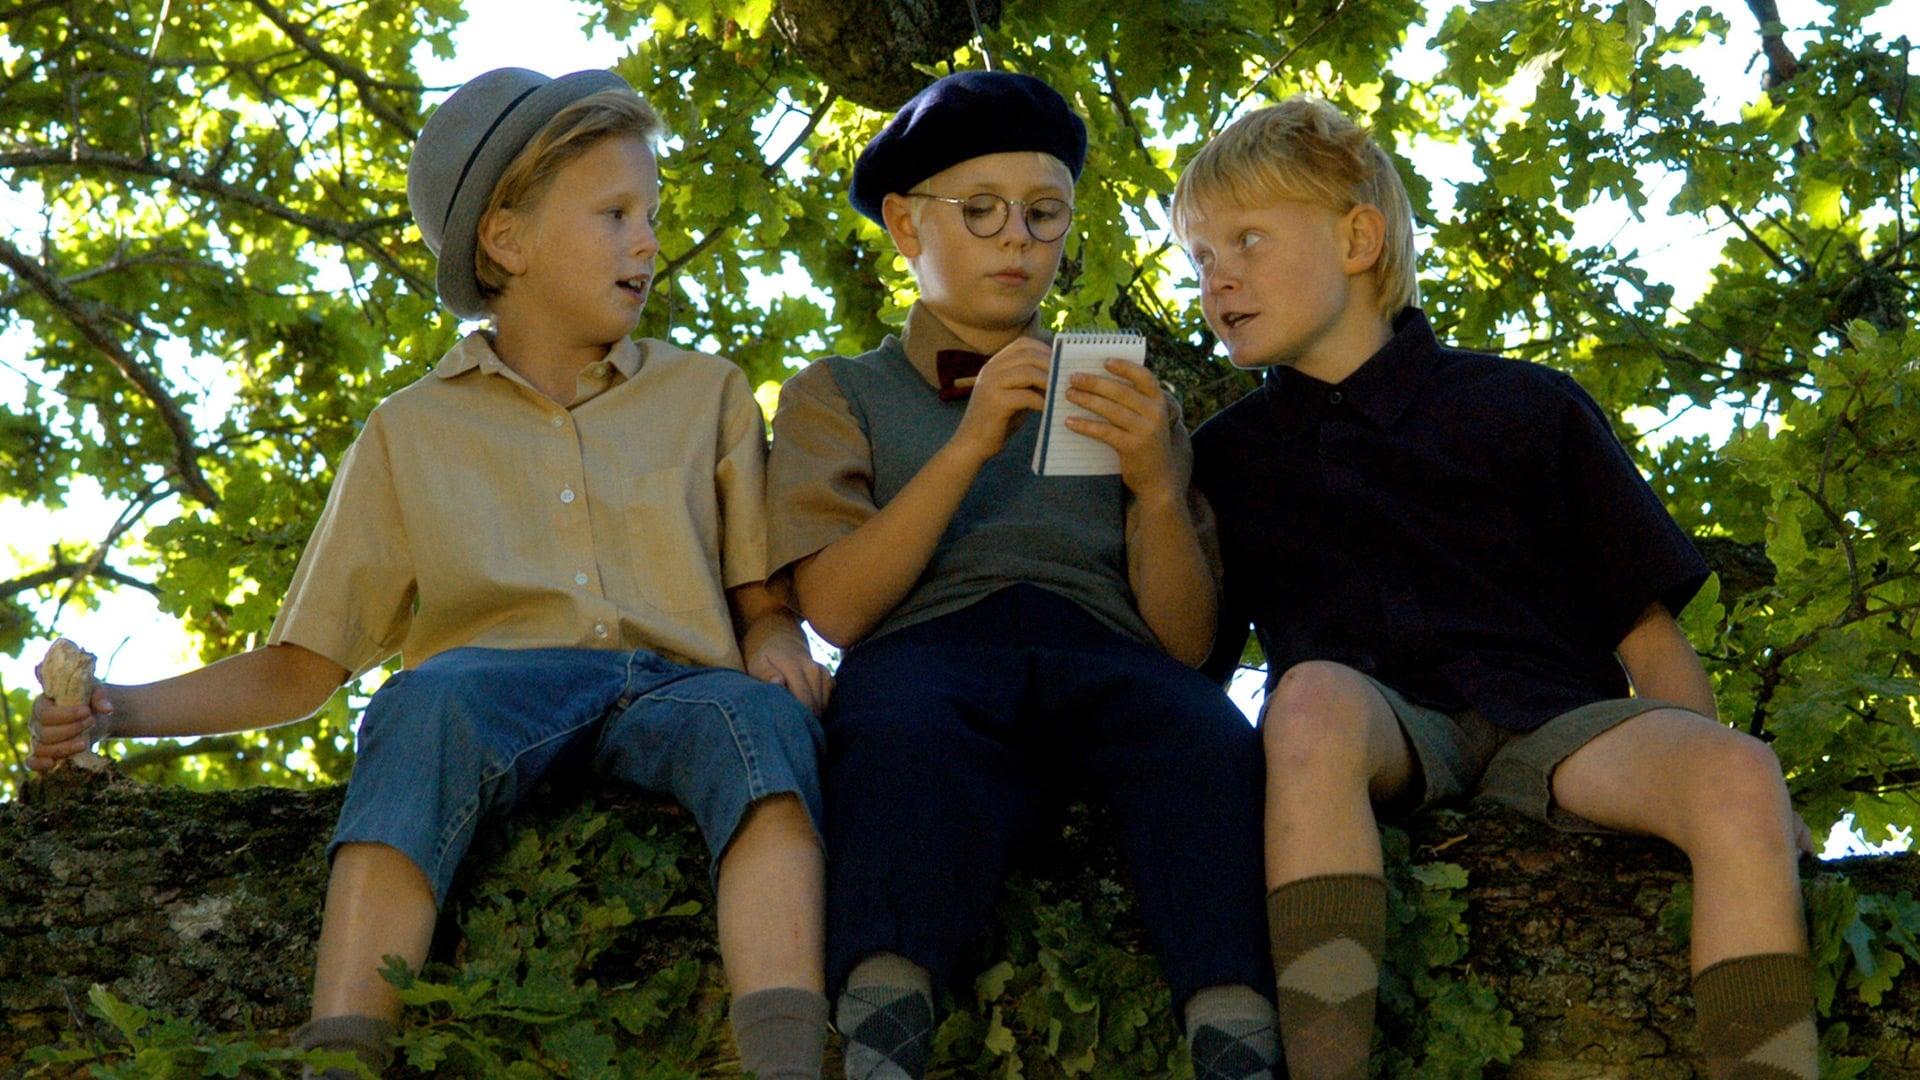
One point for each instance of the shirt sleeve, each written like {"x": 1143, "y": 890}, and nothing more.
{"x": 1618, "y": 533}
{"x": 351, "y": 599}
{"x": 820, "y": 472}
{"x": 740, "y": 482}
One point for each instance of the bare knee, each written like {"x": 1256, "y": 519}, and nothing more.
{"x": 1736, "y": 798}
{"x": 1315, "y": 724}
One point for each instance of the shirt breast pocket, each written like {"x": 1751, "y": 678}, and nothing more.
{"x": 669, "y": 547}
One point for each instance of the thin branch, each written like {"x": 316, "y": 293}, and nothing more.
{"x": 13, "y": 739}
{"x": 81, "y": 313}
{"x": 674, "y": 266}
{"x": 358, "y": 233}
{"x": 1332, "y": 16}
{"x": 135, "y": 510}
{"x": 1774, "y": 256}
{"x": 369, "y": 88}
{"x": 1857, "y": 603}
{"x": 63, "y": 570}
{"x": 162, "y": 753}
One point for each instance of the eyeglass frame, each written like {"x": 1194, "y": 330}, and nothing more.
{"x": 1006, "y": 212}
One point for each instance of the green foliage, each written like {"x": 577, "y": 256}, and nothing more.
{"x": 1428, "y": 998}
{"x": 144, "y": 1046}
{"x": 585, "y": 951}
{"x": 1860, "y": 945}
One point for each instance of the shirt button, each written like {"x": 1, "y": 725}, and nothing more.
{"x": 558, "y": 420}
{"x": 566, "y": 495}
{"x": 1334, "y": 398}
{"x": 599, "y": 629}
{"x": 580, "y": 578}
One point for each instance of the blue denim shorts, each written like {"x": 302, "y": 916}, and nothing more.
{"x": 464, "y": 736}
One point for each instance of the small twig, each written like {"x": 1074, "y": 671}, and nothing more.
{"x": 13, "y": 738}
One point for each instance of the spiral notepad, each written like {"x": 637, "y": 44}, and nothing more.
{"x": 1061, "y": 451}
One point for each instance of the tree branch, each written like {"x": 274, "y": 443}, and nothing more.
{"x": 161, "y": 753}
{"x": 80, "y": 312}
{"x": 358, "y": 233}
{"x": 1332, "y": 16}
{"x": 1781, "y": 65}
{"x": 65, "y": 569}
{"x": 369, "y": 88}
{"x": 675, "y": 265}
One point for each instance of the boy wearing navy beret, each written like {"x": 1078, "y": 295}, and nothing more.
{"x": 1001, "y": 629}
{"x": 1463, "y": 587}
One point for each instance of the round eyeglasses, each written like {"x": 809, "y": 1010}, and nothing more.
{"x": 986, "y": 214}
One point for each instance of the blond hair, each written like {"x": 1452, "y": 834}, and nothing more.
{"x": 1306, "y": 150}
{"x": 572, "y": 132}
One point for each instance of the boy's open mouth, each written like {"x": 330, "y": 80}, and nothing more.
{"x": 635, "y": 285}
{"x": 1233, "y": 319}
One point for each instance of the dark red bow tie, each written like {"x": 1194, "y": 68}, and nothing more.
{"x": 955, "y": 364}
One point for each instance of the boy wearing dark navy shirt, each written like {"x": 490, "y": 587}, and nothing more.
{"x": 1463, "y": 587}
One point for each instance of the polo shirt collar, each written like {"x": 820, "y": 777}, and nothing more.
{"x": 925, "y": 336}
{"x": 1380, "y": 389}
{"x": 476, "y": 351}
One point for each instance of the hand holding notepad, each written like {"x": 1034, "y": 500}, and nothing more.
{"x": 1061, "y": 451}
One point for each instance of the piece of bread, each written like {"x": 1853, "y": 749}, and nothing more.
{"x": 66, "y": 676}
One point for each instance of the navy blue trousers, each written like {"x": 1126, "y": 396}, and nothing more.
{"x": 950, "y": 740}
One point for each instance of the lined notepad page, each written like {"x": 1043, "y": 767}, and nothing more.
{"x": 1061, "y": 451}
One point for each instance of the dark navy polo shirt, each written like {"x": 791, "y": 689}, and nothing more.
{"x": 1465, "y": 528}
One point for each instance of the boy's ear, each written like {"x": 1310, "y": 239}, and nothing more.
{"x": 502, "y": 236}
{"x": 897, "y": 212}
{"x": 1364, "y": 229}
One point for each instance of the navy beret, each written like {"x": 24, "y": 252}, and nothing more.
{"x": 966, "y": 115}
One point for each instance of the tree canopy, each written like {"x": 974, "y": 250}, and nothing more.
{"x": 221, "y": 278}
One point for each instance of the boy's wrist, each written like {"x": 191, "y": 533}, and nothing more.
{"x": 960, "y": 453}
{"x": 1161, "y": 498}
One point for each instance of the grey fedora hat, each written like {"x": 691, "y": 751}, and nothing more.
{"x": 466, "y": 144}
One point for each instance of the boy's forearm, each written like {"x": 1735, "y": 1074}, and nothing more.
{"x": 266, "y": 687}
{"x": 759, "y": 617}
{"x": 1662, "y": 663}
{"x": 849, "y": 586}
{"x": 1171, "y": 584}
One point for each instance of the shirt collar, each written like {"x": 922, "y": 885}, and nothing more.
{"x": 925, "y": 336}
{"x": 1380, "y": 389}
{"x": 475, "y": 350}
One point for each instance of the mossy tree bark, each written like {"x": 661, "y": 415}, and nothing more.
{"x": 206, "y": 906}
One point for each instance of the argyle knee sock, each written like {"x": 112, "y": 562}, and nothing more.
{"x": 365, "y": 1037}
{"x": 1231, "y": 1034}
{"x": 1756, "y": 1018}
{"x": 886, "y": 1014}
{"x": 1328, "y": 935}
{"x": 781, "y": 1032}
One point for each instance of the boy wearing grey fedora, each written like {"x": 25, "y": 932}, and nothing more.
{"x": 560, "y": 531}
{"x": 1006, "y": 632}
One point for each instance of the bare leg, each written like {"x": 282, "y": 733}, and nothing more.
{"x": 379, "y": 904}
{"x": 1715, "y": 793}
{"x": 771, "y": 901}
{"x": 1333, "y": 747}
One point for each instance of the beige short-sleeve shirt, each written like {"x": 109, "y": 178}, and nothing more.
{"x": 473, "y": 510}
{"x": 820, "y": 478}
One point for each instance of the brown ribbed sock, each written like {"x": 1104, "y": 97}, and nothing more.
{"x": 1328, "y": 935}
{"x": 1756, "y": 1018}
{"x": 781, "y": 1032}
{"x": 363, "y": 1036}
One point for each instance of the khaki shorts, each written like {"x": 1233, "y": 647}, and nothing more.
{"x": 1463, "y": 755}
